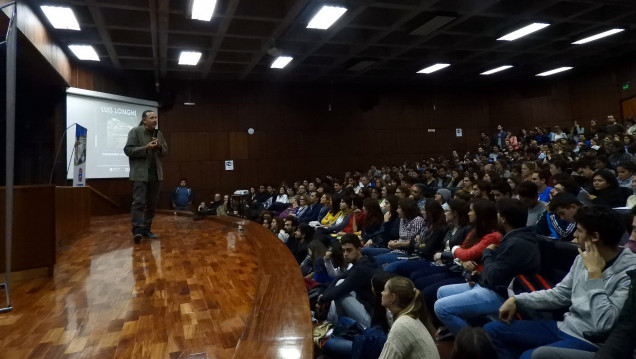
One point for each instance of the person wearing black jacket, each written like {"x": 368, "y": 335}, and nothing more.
{"x": 425, "y": 244}
{"x": 357, "y": 280}
{"x": 518, "y": 253}
{"x": 313, "y": 209}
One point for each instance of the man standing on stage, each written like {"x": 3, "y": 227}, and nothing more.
{"x": 144, "y": 147}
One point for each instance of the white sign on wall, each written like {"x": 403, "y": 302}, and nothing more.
{"x": 458, "y": 132}
{"x": 229, "y": 165}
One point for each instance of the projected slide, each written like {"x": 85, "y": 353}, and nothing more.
{"x": 107, "y": 118}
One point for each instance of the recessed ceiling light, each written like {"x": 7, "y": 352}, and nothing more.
{"x": 84, "y": 52}
{"x": 61, "y": 17}
{"x": 524, "y": 31}
{"x": 433, "y": 68}
{"x": 325, "y": 17}
{"x": 500, "y": 68}
{"x": 598, "y": 36}
{"x": 189, "y": 58}
{"x": 555, "y": 71}
{"x": 202, "y": 9}
{"x": 281, "y": 61}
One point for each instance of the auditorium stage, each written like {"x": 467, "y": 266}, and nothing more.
{"x": 206, "y": 289}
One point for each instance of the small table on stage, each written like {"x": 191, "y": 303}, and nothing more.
{"x": 243, "y": 201}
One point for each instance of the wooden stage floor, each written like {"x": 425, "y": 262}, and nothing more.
{"x": 203, "y": 290}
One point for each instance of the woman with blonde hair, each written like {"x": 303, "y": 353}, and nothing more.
{"x": 410, "y": 336}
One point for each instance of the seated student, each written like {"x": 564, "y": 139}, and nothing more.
{"x": 341, "y": 221}
{"x": 277, "y": 226}
{"x": 371, "y": 223}
{"x": 325, "y": 202}
{"x": 558, "y": 221}
{"x": 424, "y": 245}
{"x": 500, "y": 189}
{"x": 481, "y": 189}
{"x": 624, "y": 172}
{"x": 566, "y": 183}
{"x": 390, "y": 227}
{"x": 357, "y": 279}
{"x": 292, "y": 210}
{"x": 411, "y": 333}
{"x": 595, "y": 290}
{"x": 334, "y": 260}
{"x": 462, "y": 256}
{"x": 585, "y": 171}
{"x": 418, "y": 193}
{"x": 606, "y": 190}
{"x": 442, "y": 196}
{"x": 517, "y": 254}
{"x": 316, "y": 250}
{"x": 411, "y": 224}
{"x": 528, "y": 195}
{"x": 298, "y": 239}
{"x": 619, "y": 345}
{"x": 337, "y": 347}
{"x": 357, "y": 217}
{"x": 402, "y": 192}
{"x": 313, "y": 209}
{"x": 334, "y": 212}
{"x": 540, "y": 178}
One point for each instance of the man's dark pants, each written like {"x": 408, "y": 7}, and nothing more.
{"x": 145, "y": 197}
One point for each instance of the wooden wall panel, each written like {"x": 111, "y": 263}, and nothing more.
{"x": 297, "y": 136}
{"x": 239, "y": 146}
{"x": 33, "y": 228}
{"x": 628, "y": 107}
{"x": 72, "y": 213}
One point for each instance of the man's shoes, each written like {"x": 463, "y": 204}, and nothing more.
{"x": 137, "y": 238}
{"x": 150, "y": 235}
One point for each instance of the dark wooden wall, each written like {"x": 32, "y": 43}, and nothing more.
{"x": 296, "y": 136}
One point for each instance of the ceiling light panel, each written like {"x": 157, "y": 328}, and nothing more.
{"x": 497, "y": 69}
{"x": 555, "y": 71}
{"x": 84, "y": 52}
{"x": 325, "y": 17}
{"x": 189, "y": 58}
{"x": 61, "y": 17}
{"x": 433, "y": 68}
{"x": 281, "y": 62}
{"x": 202, "y": 9}
{"x": 598, "y": 36}
{"x": 524, "y": 31}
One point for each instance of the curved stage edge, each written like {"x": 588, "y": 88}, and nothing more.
{"x": 279, "y": 325}
{"x": 205, "y": 289}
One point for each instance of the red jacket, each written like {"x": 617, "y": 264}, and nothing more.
{"x": 359, "y": 219}
{"x": 474, "y": 253}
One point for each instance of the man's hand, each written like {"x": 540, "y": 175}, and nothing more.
{"x": 469, "y": 265}
{"x": 508, "y": 310}
{"x": 152, "y": 144}
{"x": 492, "y": 246}
{"x": 369, "y": 243}
{"x": 592, "y": 260}
{"x": 437, "y": 256}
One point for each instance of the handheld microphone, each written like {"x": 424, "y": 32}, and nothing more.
{"x": 155, "y": 133}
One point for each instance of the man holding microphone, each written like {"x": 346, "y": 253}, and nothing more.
{"x": 144, "y": 148}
